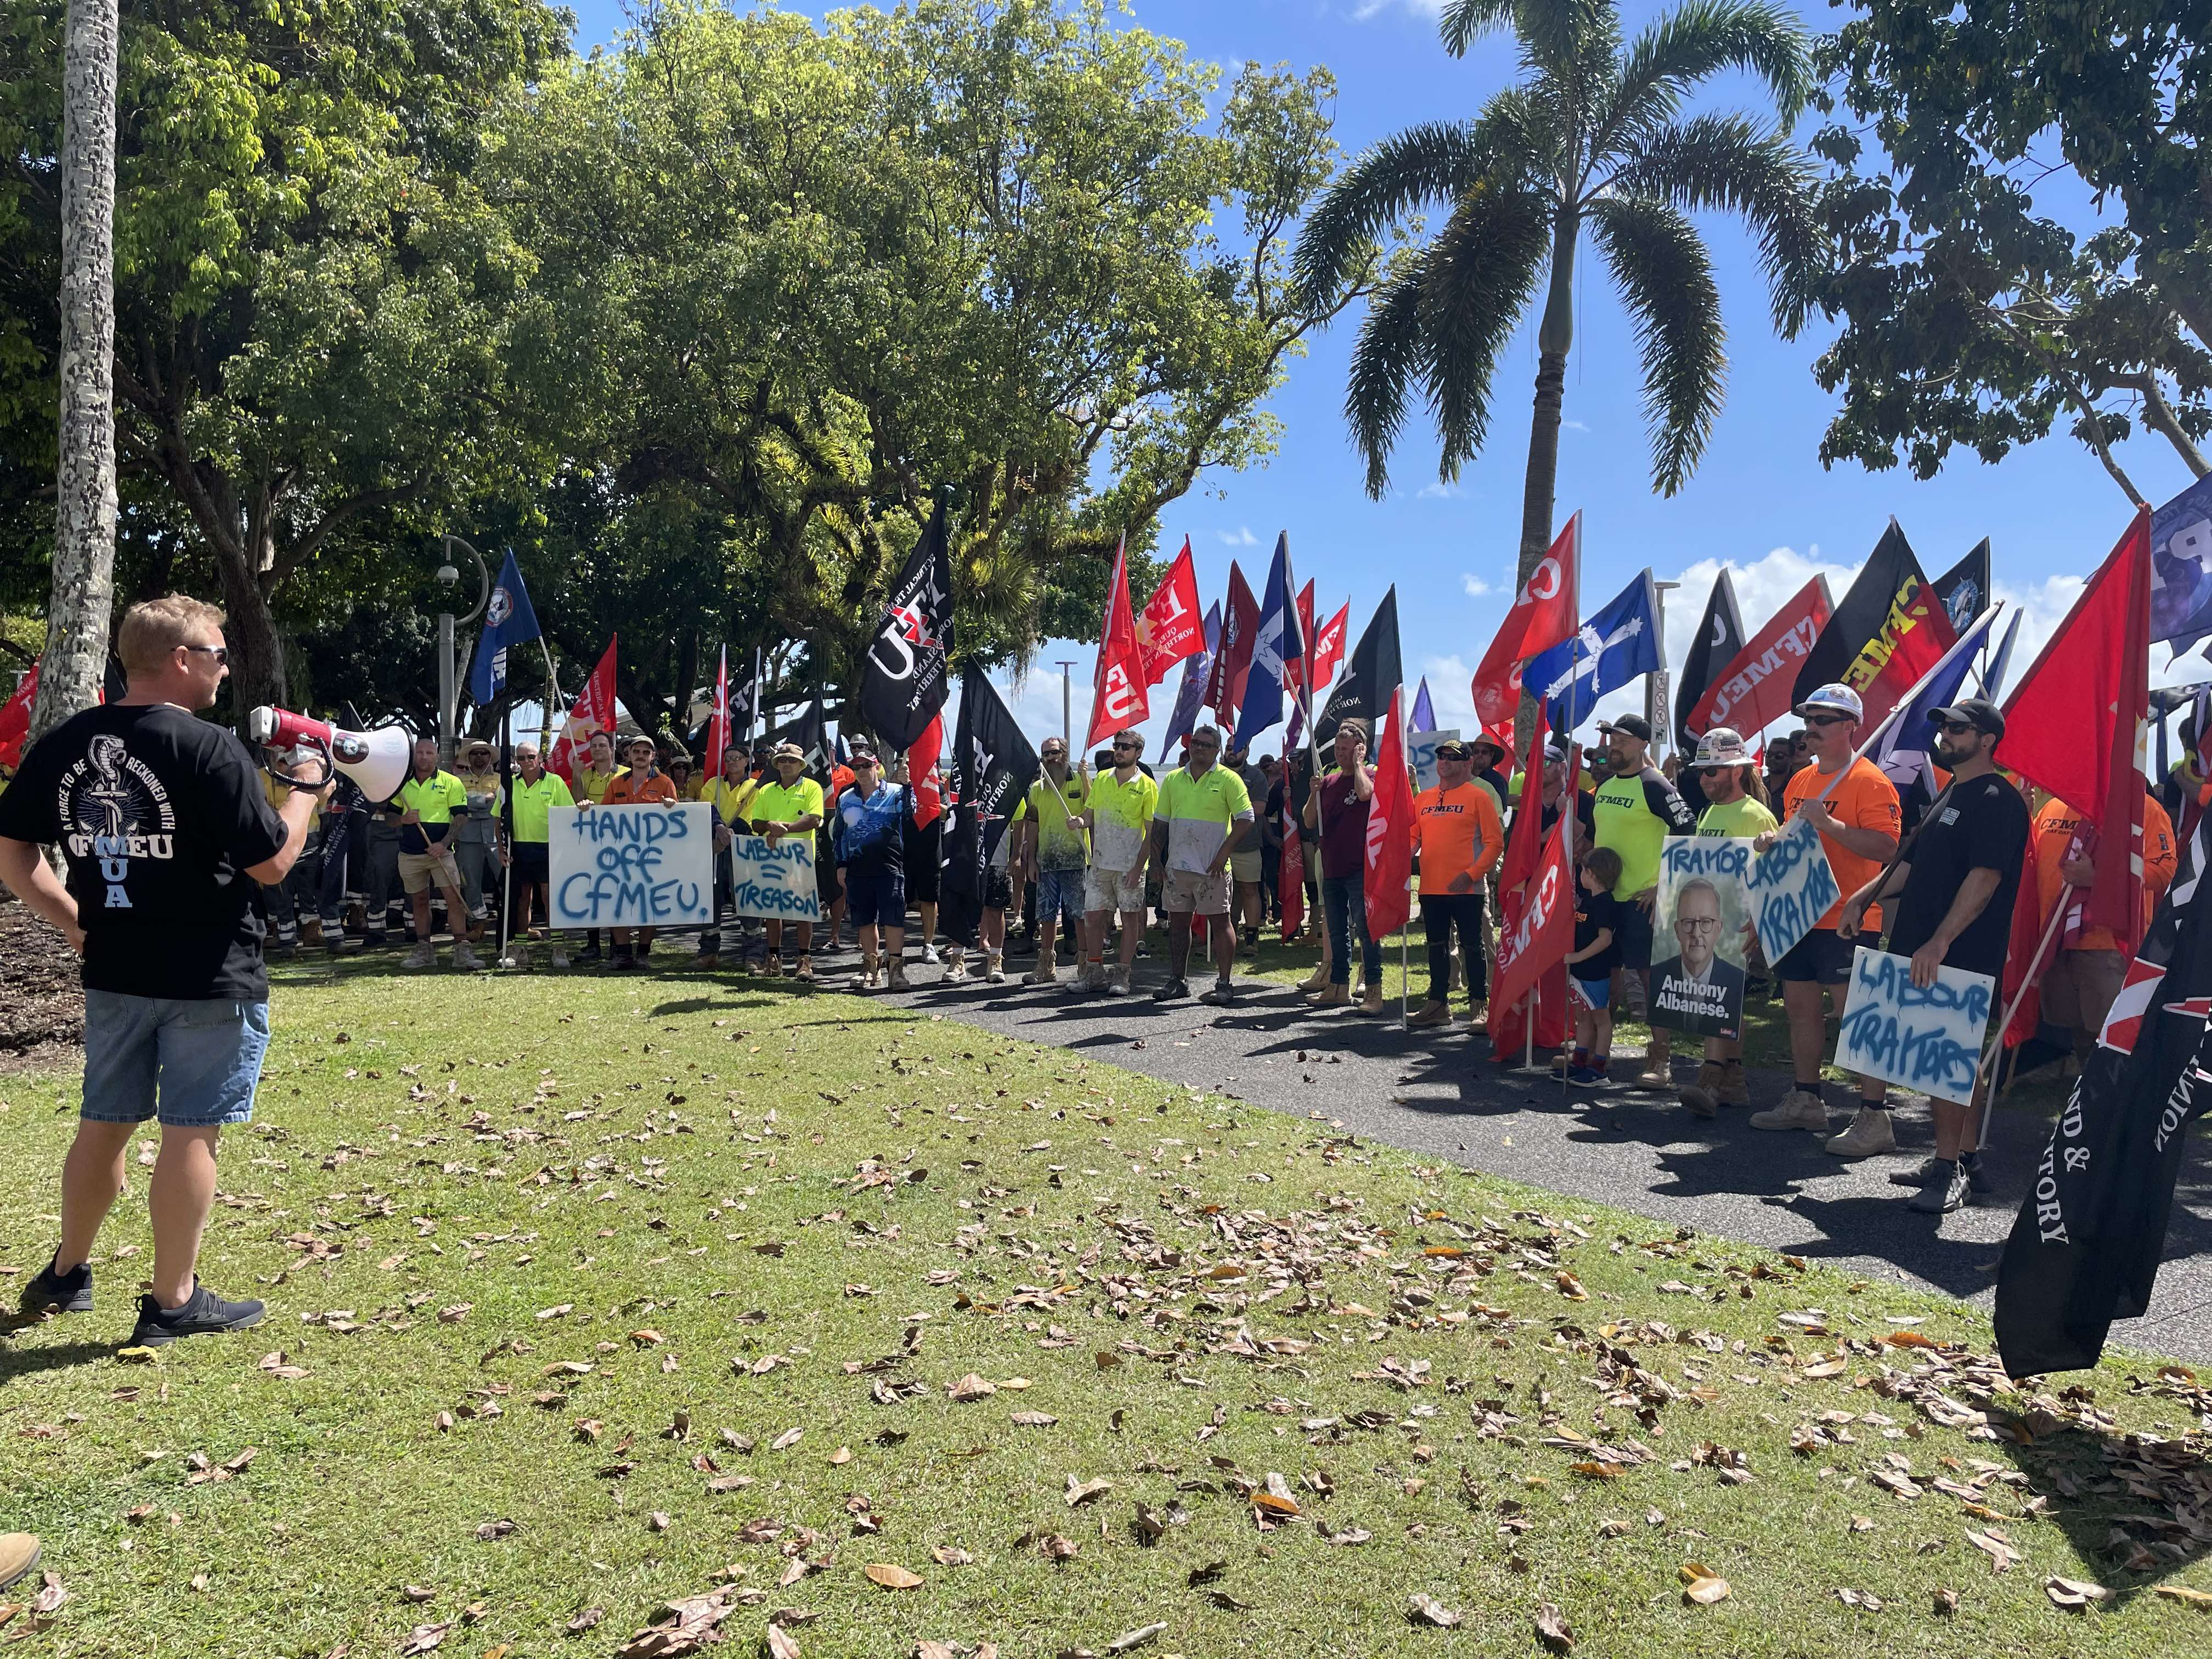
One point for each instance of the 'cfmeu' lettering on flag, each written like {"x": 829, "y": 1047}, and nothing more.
{"x": 1907, "y": 611}
{"x": 1747, "y": 679}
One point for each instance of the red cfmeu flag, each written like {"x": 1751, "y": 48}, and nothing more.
{"x": 1516, "y": 880}
{"x": 1170, "y": 628}
{"x": 1543, "y": 614}
{"x": 16, "y": 718}
{"x": 1291, "y": 873}
{"x": 718, "y": 723}
{"x": 1232, "y": 664}
{"x": 1328, "y": 648}
{"x": 1758, "y": 688}
{"x": 1117, "y": 687}
{"x": 1912, "y": 640}
{"x": 1390, "y": 831}
{"x": 922, "y": 773}
{"x": 592, "y": 712}
{"x": 2074, "y": 725}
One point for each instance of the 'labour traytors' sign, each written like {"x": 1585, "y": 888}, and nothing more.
{"x": 632, "y": 867}
{"x": 1790, "y": 886}
{"x": 777, "y": 882}
{"x": 1926, "y": 1037}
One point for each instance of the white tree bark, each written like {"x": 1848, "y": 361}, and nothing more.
{"x": 84, "y": 529}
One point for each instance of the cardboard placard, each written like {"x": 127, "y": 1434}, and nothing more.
{"x": 632, "y": 867}
{"x": 1928, "y": 1038}
{"x": 1791, "y": 885}
{"x": 1699, "y": 922}
{"x": 774, "y": 883}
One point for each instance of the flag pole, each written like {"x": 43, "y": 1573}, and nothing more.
{"x": 507, "y": 825}
{"x": 2036, "y": 965}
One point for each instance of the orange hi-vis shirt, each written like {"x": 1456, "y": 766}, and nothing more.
{"x": 1863, "y": 799}
{"x": 1459, "y": 836}
{"x": 631, "y": 787}
{"x": 2055, "y": 827}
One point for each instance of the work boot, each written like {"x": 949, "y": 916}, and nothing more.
{"x": 311, "y": 930}
{"x": 560, "y": 957}
{"x": 1658, "y": 1071}
{"x": 463, "y": 958}
{"x": 1317, "y": 981}
{"x": 805, "y": 968}
{"x": 1047, "y": 972}
{"x": 1370, "y": 1004}
{"x": 773, "y": 968}
{"x": 867, "y": 970}
{"x": 1801, "y": 1108}
{"x": 19, "y": 1554}
{"x": 1331, "y": 995}
{"x": 994, "y": 967}
{"x": 1430, "y": 1012}
{"x": 1733, "y": 1090}
{"x": 1703, "y": 1096}
{"x": 1870, "y": 1132}
{"x": 898, "y": 973}
{"x": 422, "y": 956}
{"x": 956, "y": 964}
{"x": 1117, "y": 982}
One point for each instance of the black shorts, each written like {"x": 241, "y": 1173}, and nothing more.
{"x": 826, "y": 882}
{"x": 998, "y": 890}
{"x": 924, "y": 856}
{"x": 1632, "y": 934}
{"x": 533, "y": 863}
{"x": 1823, "y": 957}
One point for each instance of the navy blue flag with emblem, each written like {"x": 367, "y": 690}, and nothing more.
{"x": 508, "y": 622}
{"x": 1613, "y": 648}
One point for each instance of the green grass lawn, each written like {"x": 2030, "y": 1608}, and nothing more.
{"x": 588, "y": 1295}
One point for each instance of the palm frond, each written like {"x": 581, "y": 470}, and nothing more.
{"x": 1391, "y": 354}
{"x": 1724, "y": 161}
{"x": 1433, "y": 163}
{"x": 1698, "y": 40}
{"x": 1552, "y": 32}
{"x": 1665, "y": 277}
{"x": 1483, "y": 271}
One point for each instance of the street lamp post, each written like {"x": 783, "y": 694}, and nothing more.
{"x": 1066, "y": 708}
{"x": 448, "y": 683}
{"x": 1658, "y": 684}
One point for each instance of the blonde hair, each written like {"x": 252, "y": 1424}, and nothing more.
{"x": 152, "y": 630}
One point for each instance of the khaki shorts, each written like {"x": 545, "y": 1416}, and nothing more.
{"x": 1195, "y": 893}
{"x": 416, "y": 870}
{"x": 2079, "y": 986}
{"x": 1245, "y": 866}
{"x": 1112, "y": 890}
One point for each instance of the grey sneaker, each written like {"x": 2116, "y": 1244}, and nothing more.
{"x": 463, "y": 958}
{"x": 1117, "y": 982}
{"x": 1947, "y": 1189}
{"x": 422, "y": 956}
{"x": 1801, "y": 1108}
{"x": 1870, "y": 1132}
{"x": 560, "y": 957}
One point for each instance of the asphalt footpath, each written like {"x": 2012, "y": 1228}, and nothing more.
{"x": 1437, "y": 1091}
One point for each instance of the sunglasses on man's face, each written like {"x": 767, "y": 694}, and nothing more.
{"x": 219, "y": 652}
{"x": 1960, "y": 728}
{"x": 1827, "y": 719}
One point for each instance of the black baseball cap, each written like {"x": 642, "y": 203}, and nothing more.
{"x": 1635, "y": 725}
{"x": 1977, "y": 712}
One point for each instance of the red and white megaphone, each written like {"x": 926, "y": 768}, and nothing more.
{"x": 377, "y": 761}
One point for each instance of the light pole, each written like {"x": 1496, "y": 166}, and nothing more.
{"x": 1656, "y": 684}
{"x": 448, "y": 694}
{"x": 1066, "y": 709}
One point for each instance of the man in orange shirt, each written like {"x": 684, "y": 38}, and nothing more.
{"x": 643, "y": 785}
{"x": 2085, "y": 976}
{"x": 1854, "y": 808}
{"x": 1458, "y": 838}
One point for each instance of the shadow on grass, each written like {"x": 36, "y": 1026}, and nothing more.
{"x": 16, "y": 1362}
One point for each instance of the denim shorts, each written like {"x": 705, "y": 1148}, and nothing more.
{"x": 200, "y": 1059}
{"x": 1059, "y": 893}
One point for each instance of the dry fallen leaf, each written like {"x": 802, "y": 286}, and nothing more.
{"x": 1552, "y": 1629}
{"x": 2073, "y": 1594}
{"x": 1701, "y": 1585}
{"x": 972, "y": 1386}
{"x": 1135, "y": 1639}
{"x": 424, "y": 1639}
{"x": 1086, "y": 1492}
{"x": 2183, "y": 1593}
{"x": 1427, "y": 1610}
{"x": 946, "y": 1555}
{"x": 1997, "y": 1546}
{"x": 781, "y": 1644}
{"x": 1571, "y": 1288}
{"x": 890, "y": 1576}
{"x": 1947, "y": 1601}
{"x": 584, "y": 1620}
{"x": 1034, "y": 1419}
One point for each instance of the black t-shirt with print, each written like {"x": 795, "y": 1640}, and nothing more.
{"x": 1596, "y": 913}
{"x": 159, "y": 816}
{"x": 1982, "y": 825}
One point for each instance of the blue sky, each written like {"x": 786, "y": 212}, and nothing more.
{"x": 1761, "y": 501}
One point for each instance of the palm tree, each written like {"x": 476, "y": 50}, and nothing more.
{"x": 1594, "y": 134}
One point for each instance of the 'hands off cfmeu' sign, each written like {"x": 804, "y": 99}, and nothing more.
{"x": 1926, "y": 1037}
{"x": 632, "y": 867}
{"x": 1790, "y": 887}
{"x": 777, "y": 882}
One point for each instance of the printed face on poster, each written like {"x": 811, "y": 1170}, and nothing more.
{"x": 632, "y": 867}
{"x": 1925, "y": 1037}
{"x": 1421, "y": 752}
{"x": 1791, "y": 885}
{"x": 1699, "y": 923}
{"x": 774, "y": 883}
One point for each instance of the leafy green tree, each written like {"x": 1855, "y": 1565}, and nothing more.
{"x": 1972, "y": 320}
{"x": 311, "y": 297}
{"x": 1595, "y": 136}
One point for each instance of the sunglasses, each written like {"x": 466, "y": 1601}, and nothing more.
{"x": 1827, "y": 719}
{"x": 1959, "y": 728}
{"x": 219, "y": 652}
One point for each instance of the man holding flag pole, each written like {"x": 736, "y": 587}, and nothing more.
{"x": 509, "y": 621}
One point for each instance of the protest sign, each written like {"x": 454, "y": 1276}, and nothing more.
{"x": 632, "y": 867}
{"x": 775, "y": 883}
{"x": 1928, "y": 1038}
{"x": 1791, "y": 887}
{"x": 1699, "y": 921}
{"x": 1421, "y": 750}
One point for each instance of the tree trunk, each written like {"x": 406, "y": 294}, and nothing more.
{"x": 1555, "y": 337}
{"x": 257, "y": 652}
{"x": 84, "y": 520}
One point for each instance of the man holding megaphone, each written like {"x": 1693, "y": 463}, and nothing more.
{"x": 167, "y": 836}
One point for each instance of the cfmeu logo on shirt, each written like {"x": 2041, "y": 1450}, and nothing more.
{"x": 116, "y": 810}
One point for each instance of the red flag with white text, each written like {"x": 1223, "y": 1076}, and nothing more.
{"x": 1389, "y": 830}
{"x": 1170, "y": 628}
{"x": 2074, "y": 725}
{"x": 1117, "y": 684}
{"x": 1758, "y": 687}
{"x": 1543, "y": 614}
{"x": 922, "y": 773}
{"x": 592, "y": 712}
{"x": 1232, "y": 663}
{"x": 1328, "y": 648}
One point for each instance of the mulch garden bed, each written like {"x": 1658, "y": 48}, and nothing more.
{"x": 41, "y": 1002}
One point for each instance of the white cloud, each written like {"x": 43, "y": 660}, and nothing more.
{"x": 1451, "y": 692}
{"x": 1476, "y": 587}
{"x": 1240, "y": 537}
{"x": 1367, "y": 8}
{"x": 1574, "y": 426}
{"x": 1438, "y": 490}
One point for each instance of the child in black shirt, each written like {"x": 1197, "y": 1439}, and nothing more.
{"x": 1596, "y": 955}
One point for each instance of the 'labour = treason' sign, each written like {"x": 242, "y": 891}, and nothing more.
{"x": 632, "y": 867}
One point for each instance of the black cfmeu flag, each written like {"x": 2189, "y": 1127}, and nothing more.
{"x": 1371, "y": 673}
{"x": 1864, "y": 612}
{"x": 1720, "y": 637}
{"x": 905, "y": 682}
{"x": 1964, "y": 588}
{"x": 810, "y": 732}
{"x": 993, "y": 767}
{"x": 2085, "y": 1250}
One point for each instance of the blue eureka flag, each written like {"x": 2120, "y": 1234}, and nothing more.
{"x": 1616, "y": 645}
{"x": 508, "y": 621}
{"x": 1197, "y": 669}
{"x": 1275, "y": 639}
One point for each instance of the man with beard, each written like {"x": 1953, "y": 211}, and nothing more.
{"x": 1953, "y": 897}
{"x": 1634, "y": 811}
